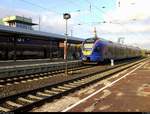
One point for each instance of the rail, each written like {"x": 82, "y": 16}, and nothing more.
{"x": 30, "y": 99}
{"x": 22, "y": 70}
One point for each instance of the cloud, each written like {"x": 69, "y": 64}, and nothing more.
{"x": 133, "y": 15}
{"x": 131, "y": 20}
{"x": 128, "y": 11}
{"x": 50, "y": 21}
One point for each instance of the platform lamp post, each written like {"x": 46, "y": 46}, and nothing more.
{"x": 66, "y": 16}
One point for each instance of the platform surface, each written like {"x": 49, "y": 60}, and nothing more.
{"x": 129, "y": 94}
{"x": 27, "y": 62}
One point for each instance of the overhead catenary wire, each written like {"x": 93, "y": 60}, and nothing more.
{"x": 92, "y": 14}
{"x": 123, "y": 26}
{"x": 91, "y": 6}
{"x": 39, "y": 6}
{"x": 79, "y": 10}
{"x": 139, "y": 34}
{"x": 108, "y": 16}
{"x": 95, "y": 6}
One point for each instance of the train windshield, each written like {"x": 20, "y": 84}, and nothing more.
{"x": 88, "y": 44}
{"x": 90, "y": 40}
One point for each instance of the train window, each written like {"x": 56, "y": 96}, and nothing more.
{"x": 110, "y": 49}
{"x": 27, "y": 39}
{"x": 86, "y": 46}
{"x": 20, "y": 39}
{"x": 97, "y": 49}
{"x": 91, "y": 40}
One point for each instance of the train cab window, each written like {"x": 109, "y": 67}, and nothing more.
{"x": 90, "y": 40}
{"x": 97, "y": 49}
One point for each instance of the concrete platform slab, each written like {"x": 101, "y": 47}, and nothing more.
{"x": 130, "y": 94}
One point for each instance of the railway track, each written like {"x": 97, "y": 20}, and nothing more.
{"x": 18, "y": 79}
{"x": 27, "y": 100}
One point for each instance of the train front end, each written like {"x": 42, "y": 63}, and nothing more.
{"x": 88, "y": 51}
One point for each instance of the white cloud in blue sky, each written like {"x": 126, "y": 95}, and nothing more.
{"x": 135, "y": 32}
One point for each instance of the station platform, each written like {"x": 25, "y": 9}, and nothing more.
{"x": 28, "y": 62}
{"x": 128, "y": 94}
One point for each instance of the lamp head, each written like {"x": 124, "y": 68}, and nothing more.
{"x": 66, "y": 16}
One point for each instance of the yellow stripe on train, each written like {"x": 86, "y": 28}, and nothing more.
{"x": 87, "y": 52}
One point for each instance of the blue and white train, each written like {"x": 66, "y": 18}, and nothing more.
{"x": 97, "y": 50}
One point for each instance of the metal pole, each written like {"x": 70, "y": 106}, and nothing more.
{"x": 15, "y": 49}
{"x": 71, "y": 33}
{"x": 66, "y": 17}
{"x": 66, "y": 69}
{"x": 39, "y": 23}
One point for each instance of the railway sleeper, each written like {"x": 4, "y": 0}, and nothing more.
{"x": 29, "y": 98}
{"x": 21, "y": 77}
{"x": 41, "y": 78}
{"x": 25, "y": 100}
{"x": 69, "y": 85}
{"x": 60, "y": 71}
{"x": 45, "y": 77}
{"x": 32, "y": 76}
{"x": 9, "y": 79}
{"x": 27, "y": 76}
{"x": 49, "y": 73}
{"x": 37, "y": 75}
{"x": 3, "y": 109}
{"x": 5, "y": 105}
{"x": 79, "y": 82}
{"x": 43, "y": 94}
{"x": 1, "y": 86}
{"x": 14, "y": 104}
{"x": 21, "y": 102}
{"x": 17, "y": 83}
{"x": 58, "y": 90}
{"x": 9, "y": 84}
{"x": 35, "y": 79}
{"x": 51, "y": 92}
{"x": 29, "y": 80}
{"x": 23, "y": 81}
{"x": 89, "y": 79}
{"x": 34, "y": 97}
{"x": 45, "y": 73}
{"x": 74, "y": 84}
{"x": 50, "y": 76}
{"x": 63, "y": 87}
{"x": 2, "y": 81}
{"x": 42, "y": 74}
{"x": 15, "y": 78}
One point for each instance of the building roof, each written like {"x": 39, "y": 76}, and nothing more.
{"x": 1, "y": 21}
{"x": 18, "y": 19}
{"x": 20, "y": 31}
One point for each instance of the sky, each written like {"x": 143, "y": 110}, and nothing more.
{"x": 113, "y": 19}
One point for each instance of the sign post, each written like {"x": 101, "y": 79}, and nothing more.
{"x": 66, "y": 16}
{"x": 112, "y": 62}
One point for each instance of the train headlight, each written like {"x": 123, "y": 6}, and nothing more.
{"x": 84, "y": 58}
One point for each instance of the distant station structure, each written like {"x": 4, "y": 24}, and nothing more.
{"x": 18, "y": 40}
{"x": 147, "y": 52}
{"x": 18, "y": 21}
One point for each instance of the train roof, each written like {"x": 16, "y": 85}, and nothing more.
{"x": 113, "y": 43}
{"x": 12, "y": 30}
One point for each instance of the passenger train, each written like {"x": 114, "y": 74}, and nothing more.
{"x": 98, "y": 50}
